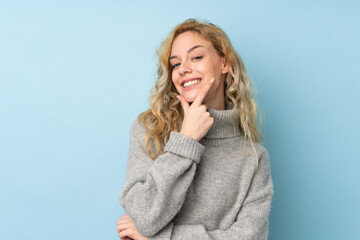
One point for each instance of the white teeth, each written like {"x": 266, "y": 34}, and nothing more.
{"x": 189, "y": 83}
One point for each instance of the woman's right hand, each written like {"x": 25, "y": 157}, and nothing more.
{"x": 197, "y": 121}
{"x": 127, "y": 231}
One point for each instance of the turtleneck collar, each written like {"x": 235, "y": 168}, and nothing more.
{"x": 223, "y": 126}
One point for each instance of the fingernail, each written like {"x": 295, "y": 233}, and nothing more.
{"x": 212, "y": 80}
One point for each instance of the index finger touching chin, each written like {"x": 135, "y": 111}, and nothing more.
{"x": 200, "y": 97}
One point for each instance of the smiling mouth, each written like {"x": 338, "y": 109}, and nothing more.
{"x": 191, "y": 83}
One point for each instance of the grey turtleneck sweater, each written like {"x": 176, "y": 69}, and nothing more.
{"x": 209, "y": 189}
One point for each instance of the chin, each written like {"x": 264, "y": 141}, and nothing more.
{"x": 190, "y": 98}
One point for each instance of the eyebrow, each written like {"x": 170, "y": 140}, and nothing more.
{"x": 189, "y": 50}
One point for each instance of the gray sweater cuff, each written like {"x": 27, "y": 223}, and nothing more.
{"x": 184, "y": 146}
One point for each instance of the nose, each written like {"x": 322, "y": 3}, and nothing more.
{"x": 184, "y": 68}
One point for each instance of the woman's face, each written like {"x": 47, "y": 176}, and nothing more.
{"x": 194, "y": 62}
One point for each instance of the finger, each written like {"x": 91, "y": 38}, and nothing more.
{"x": 185, "y": 105}
{"x": 124, "y": 220}
{"x": 123, "y": 226}
{"x": 200, "y": 97}
{"x": 125, "y": 233}
{"x": 125, "y": 216}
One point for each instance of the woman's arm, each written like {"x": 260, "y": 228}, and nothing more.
{"x": 251, "y": 221}
{"x": 154, "y": 191}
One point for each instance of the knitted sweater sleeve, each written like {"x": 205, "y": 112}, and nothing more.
{"x": 251, "y": 221}
{"x": 154, "y": 191}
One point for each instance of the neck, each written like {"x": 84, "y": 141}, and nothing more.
{"x": 217, "y": 105}
{"x": 225, "y": 125}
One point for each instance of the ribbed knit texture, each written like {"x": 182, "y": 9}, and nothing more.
{"x": 209, "y": 189}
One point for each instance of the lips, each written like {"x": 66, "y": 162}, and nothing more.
{"x": 190, "y": 82}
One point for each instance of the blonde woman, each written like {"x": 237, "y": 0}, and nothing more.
{"x": 196, "y": 168}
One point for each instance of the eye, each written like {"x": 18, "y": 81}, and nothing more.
{"x": 175, "y": 65}
{"x": 194, "y": 58}
{"x": 197, "y": 57}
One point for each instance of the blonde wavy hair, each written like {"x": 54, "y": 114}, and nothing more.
{"x": 166, "y": 114}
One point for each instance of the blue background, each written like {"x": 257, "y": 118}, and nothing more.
{"x": 74, "y": 74}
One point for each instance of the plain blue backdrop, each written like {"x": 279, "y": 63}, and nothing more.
{"x": 74, "y": 74}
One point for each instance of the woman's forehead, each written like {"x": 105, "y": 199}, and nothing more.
{"x": 186, "y": 41}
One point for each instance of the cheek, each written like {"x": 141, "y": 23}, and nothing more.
{"x": 174, "y": 81}
{"x": 216, "y": 70}
{"x": 173, "y": 78}
{"x": 208, "y": 67}
{"x": 203, "y": 66}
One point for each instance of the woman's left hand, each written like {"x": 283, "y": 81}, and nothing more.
{"x": 126, "y": 228}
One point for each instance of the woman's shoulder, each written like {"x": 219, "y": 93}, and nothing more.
{"x": 137, "y": 126}
{"x": 138, "y": 133}
{"x": 249, "y": 146}
{"x": 260, "y": 148}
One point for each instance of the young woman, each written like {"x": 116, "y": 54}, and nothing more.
{"x": 196, "y": 168}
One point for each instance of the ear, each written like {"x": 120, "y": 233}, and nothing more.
{"x": 224, "y": 66}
